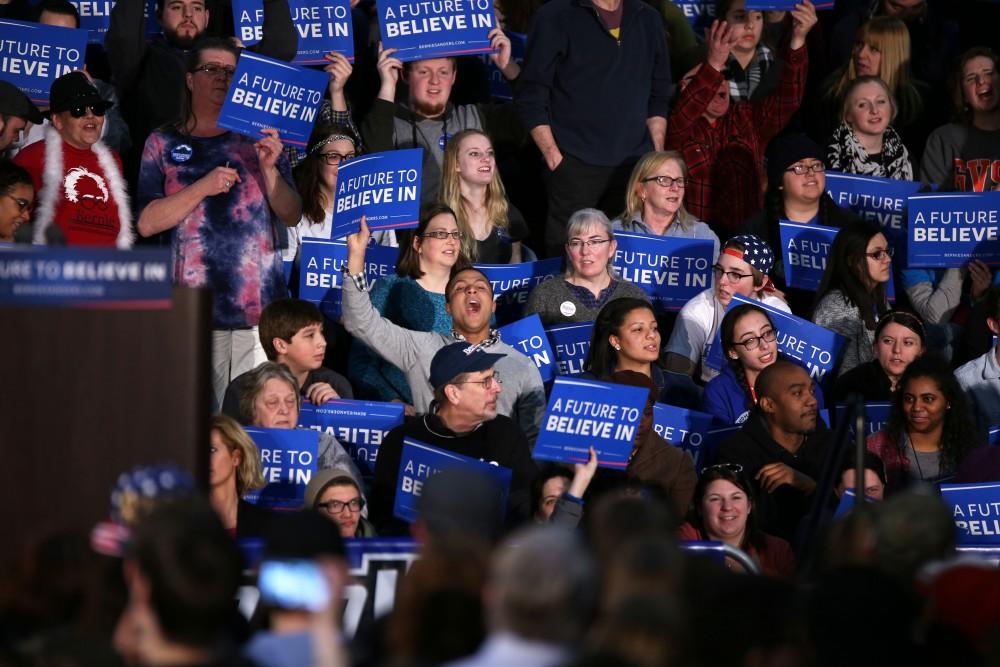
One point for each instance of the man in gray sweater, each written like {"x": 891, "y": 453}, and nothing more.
{"x": 470, "y": 302}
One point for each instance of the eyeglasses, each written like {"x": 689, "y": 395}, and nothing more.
{"x": 577, "y": 244}
{"x": 728, "y": 467}
{"x": 732, "y": 275}
{"x": 665, "y": 181}
{"x": 802, "y": 169}
{"x": 333, "y": 158}
{"x": 441, "y": 235}
{"x": 337, "y": 506}
{"x": 880, "y": 254}
{"x": 81, "y": 111}
{"x": 753, "y": 342}
{"x": 216, "y": 70}
{"x": 22, "y": 204}
{"x": 487, "y": 382}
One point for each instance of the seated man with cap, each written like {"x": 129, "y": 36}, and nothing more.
{"x": 82, "y": 197}
{"x": 462, "y": 419}
{"x": 16, "y": 112}
{"x": 469, "y": 301}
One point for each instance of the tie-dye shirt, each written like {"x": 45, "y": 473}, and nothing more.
{"x": 228, "y": 241}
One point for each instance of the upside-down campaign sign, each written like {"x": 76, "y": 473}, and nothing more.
{"x": 587, "y": 413}
{"x": 420, "y": 461}
{"x": 786, "y": 5}
{"x": 570, "y": 344}
{"x": 382, "y": 187}
{"x": 322, "y": 26}
{"x": 670, "y": 270}
{"x": 881, "y": 200}
{"x": 948, "y": 230}
{"x": 268, "y": 93}
{"x": 512, "y": 283}
{"x": 33, "y": 55}
{"x": 976, "y": 510}
{"x": 420, "y": 29}
{"x": 528, "y": 336}
{"x": 809, "y": 344}
{"x": 288, "y": 461}
{"x": 320, "y": 279}
{"x": 360, "y": 426}
{"x": 683, "y": 428}
{"x": 805, "y": 249}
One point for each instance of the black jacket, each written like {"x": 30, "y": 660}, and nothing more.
{"x": 867, "y": 379}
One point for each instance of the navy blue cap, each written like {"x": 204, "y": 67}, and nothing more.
{"x": 457, "y": 358}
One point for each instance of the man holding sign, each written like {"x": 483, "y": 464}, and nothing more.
{"x": 463, "y": 419}
{"x": 222, "y": 194}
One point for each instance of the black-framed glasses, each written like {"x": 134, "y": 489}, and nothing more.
{"x": 735, "y": 468}
{"x": 441, "y": 235}
{"x": 334, "y": 158}
{"x": 81, "y": 111}
{"x": 338, "y": 506}
{"x": 216, "y": 70}
{"x": 753, "y": 342}
{"x": 733, "y": 276}
{"x": 577, "y": 244}
{"x": 802, "y": 169}
{"x": 22, "y": 204}
{"x": 486, "y": 382}
{"x": 880, "y": 254}
{"x": 665, "y": 181}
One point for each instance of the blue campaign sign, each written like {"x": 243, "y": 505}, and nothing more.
{"x": 529, "y": 337}
{"x": 320, "y": 262}
{"x": 976, "y": 510}
{"x": 95, "y": 17}
{"x": 383, "y": 187}
{"x": 570, "y": 345}
{"x": 587, "y": 413}
{"x": 377, "y": 566}
{"x": 61, "y": 277}
{"x": 499, "y": 87}
{"x": 512, "y": 283}
{"x": 683, "y": 428}
{"x": 268, "y": 93}
{"x": 816, "y": 348}
{"x": 360, "y": 426}
{"x": 759, "y": 5}
{"x": 699, "y": 13}
{"x": 805, "y": 249}
{"x": 33, "y": 55}
{"x": 881, "y": 200}
{"x": 876, "y": 416}
{"x": 288, "y": 461}
{"x": 670, "y": 270}
{"x": 420, "y": 461}
{"x": 322, "y": 26}
{"x": 993, "y": 436}
{"x": 948, "y": 230}
{"x": 419, "y": 30}
{"x": 248, "y": 21}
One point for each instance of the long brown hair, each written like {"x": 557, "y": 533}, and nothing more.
{"x": 306, "y": 174}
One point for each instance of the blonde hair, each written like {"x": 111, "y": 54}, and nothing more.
{"x": 857, "y": 83}
{"x": 646, "y": 167}
{"x": 248, "y": 472}
{"x": 451, "y": 193}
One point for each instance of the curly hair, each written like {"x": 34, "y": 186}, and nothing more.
{"x": 248, "y": 472}
{"x": 601, "y": 357}
{"x": 255, "y": 382}
{"x": 959, "y": 435}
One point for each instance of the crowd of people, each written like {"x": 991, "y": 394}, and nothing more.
{"x": 623, "y": 121}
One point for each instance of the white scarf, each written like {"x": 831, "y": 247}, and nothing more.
{"x": 52, "y": 182}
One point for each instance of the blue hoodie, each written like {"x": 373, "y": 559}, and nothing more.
{"x": 726, "y": 400}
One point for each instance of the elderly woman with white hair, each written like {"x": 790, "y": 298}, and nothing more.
{"x": 589, "y": 281}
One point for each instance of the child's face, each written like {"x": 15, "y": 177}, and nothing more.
{"x": 306, "y": 350}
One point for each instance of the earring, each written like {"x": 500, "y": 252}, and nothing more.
{"x": 619, "y": 348}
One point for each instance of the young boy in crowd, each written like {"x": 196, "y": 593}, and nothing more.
{"x": 291, "y": 331}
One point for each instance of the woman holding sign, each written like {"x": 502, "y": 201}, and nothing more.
{"x": 852, "y": 296}
{"x": 929, "y": 431}
{"x": 471, "y": 186}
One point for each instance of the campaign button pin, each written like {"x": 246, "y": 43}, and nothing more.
{"x": 567, "y": 308}
{"x": 181, "y": 153}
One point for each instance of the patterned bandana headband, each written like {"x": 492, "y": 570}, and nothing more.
{"x": 330, "y": 139}
{"x": 756, "y": 252}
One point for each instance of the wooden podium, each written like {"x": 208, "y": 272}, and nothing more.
{"x": 88, "y": 394}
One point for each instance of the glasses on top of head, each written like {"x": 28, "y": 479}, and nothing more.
{"x": 337, "y": 506}
{"x": 733, "y": 276}
{"x": 880, "y": 254}
{"x": 22, "y": 204}
{"x": 81, "y": 111}
{"x": 802, "y": 169}
{"x": 665, "y": 181}
{"x": 729, "y": 467}
{"x": 441, "y": 235}
{"x": 577, "y": 244}
{"x": 334, "y": 158}
{"x": 216, "y": 70}
{"x": 486, "y": 382}
{"x": 753, "y": 342}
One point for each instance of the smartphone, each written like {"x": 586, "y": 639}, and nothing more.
{"x": 293, "y": 584}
